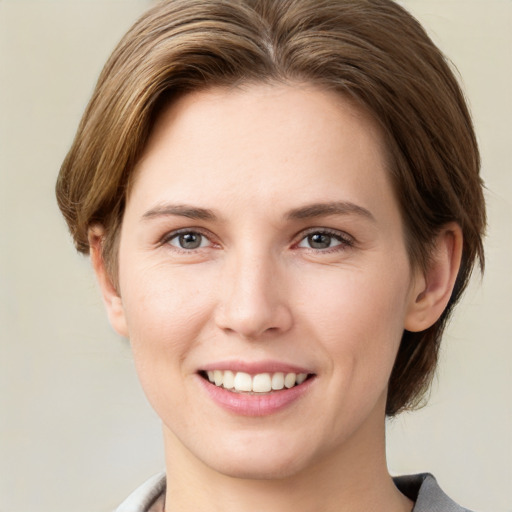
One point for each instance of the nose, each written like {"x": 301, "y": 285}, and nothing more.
{"x": 253, "y": 301}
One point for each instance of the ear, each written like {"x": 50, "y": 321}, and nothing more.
{"x": 432, "y": 289}
{"x": 111, "y": 297}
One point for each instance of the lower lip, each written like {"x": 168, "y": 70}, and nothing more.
{"x": 246, "y": 404}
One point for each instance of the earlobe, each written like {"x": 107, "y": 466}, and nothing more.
{"x": 432, "y": 291}
{"x": 111, "y": 297}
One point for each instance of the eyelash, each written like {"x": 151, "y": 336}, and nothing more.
{"x": 345, "y": 240}
{"x": 166, "y": 240}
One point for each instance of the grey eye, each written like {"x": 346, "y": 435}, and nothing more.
{"x": 319, "y": 240}
{"x": 190, "y": 240}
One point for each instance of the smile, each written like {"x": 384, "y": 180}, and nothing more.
{"x": 242, "y": 382}
{"x": 257, "y": 388}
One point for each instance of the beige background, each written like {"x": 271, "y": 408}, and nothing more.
{"x": 75, "y": 432}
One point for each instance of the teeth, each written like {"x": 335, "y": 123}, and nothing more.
{"x": 243, "y": 382}
{"x": 229, "y": 380}
{"x": 218, "y": 377}
{"x": 301, "y": 377}
{"x": 289, "y": 380}
{"x": 262, "y": 383}
{"x": 278, "y": 381}
{"x": 259, "y": 383}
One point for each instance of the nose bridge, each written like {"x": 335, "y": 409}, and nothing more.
{"x": 252, "y": 300}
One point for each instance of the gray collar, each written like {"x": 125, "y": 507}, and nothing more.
{"x": 422, "y": 489}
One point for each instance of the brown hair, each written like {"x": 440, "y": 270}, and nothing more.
{"x": 371, "y": 50}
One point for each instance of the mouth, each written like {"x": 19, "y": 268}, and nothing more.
{"x": 257, "y": 388}
{"x": 256, "y": 384}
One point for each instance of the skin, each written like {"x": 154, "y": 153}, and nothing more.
{"x": 256, "y": 158}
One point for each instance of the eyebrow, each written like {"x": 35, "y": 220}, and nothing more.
{"x": 325, "y": 209}
{"x": 180, "y": 210}
{"x": 304, "y": 212}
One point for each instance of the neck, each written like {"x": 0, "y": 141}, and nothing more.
{"x": 352, "y": 479}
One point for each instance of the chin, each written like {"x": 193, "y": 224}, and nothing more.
{"x": 262, "y": 458}
{"x": 260, "y": 468}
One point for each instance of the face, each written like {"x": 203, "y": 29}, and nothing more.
{"x": 262, "y": 249}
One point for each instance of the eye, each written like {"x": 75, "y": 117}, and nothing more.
{"x": 321, "y": 240}
{"x": 188, "y": 240}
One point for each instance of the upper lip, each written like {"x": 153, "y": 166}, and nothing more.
{"x": 256, "y": 367}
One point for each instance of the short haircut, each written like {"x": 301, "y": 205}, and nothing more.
{"x": 370, "y": 51}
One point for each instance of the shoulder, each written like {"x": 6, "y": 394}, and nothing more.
{"x": 149, "y": 497}
{"x": 424, "y": 490}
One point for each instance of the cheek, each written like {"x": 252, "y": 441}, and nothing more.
{"x": 165, "y": 315}
{"x": 158, "y": 297}
{"x": 366, "y": 300}
{"x": 165, "y": 312}
{"x": 358, "y": 317}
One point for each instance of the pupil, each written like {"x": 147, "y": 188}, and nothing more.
{"x": 319, "y": 241}
{"x": 190, "y": 240}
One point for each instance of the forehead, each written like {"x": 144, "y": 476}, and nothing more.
{"x": 256, "y": 109}
{"x": 226, "y": 144}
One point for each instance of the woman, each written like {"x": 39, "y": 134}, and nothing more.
{"x": 282, "y": 204}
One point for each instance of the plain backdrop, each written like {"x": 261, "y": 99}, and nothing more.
{"x": 76, "y": 434}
